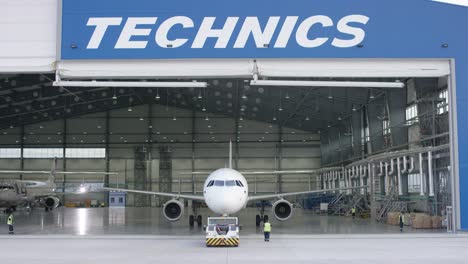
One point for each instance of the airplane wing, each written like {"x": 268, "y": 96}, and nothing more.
{"x": 57, "y": 172}
{"x": 171, "y": 195}
{"x": 267, "y": 172}
{"x": 281, "y": 195}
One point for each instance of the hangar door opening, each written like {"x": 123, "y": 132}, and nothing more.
{"x": 383, "y": 124}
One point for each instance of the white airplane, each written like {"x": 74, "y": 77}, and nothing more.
{"x": 226, "y": 192}
{"x": 35, "y": 193}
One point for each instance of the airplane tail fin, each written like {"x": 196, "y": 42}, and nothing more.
{"x": 230, "y": 154}
{"x": 53, "y": 170}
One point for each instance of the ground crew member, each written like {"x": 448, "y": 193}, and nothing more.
{"x": 267, "y": 231}
{"x": 353, "y": 212}
{"x": 10, "y": 224}
{"x": 401, "y": 219}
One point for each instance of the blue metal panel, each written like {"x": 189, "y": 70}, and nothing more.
{"x": 395, "y": 29}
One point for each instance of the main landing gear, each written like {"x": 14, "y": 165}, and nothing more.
{"x": 195, "y": 217}
{"x": 10, "y": 210}
{"x": 262, "y": 217}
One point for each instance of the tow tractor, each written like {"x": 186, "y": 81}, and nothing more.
{"x": 222, "y": 232}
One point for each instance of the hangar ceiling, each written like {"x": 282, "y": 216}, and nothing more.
{"x": 29, "y": 99}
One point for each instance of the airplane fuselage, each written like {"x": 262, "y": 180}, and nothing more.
{"x": 226, "y": 191}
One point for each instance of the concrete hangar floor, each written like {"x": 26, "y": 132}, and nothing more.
{"x": 123, "y": 235}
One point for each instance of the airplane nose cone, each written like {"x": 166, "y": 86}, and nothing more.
{"x": 231, "y": 204}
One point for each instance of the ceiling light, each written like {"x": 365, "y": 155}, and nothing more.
{"x": 174, "y": 118}
{"x": 280, "y": 109}
{"x": 157, "y": 96}
{"x": 129, "y": 109}
{"x": 339, "y": 118}
{"x": 206, "y": 118}
{"x": 327, "y": 83}
{"x": 274, "y": 118}
{"x": 141, "y": 119}
{"x": 203, "y": 109}
{"x": 354, "y": 108}
{"x": 114, "y": 97}
{"x": 244, "y": 96}
{"x": 287, "y": 95}
{"x": 241, "y": 118}
{"x": 329, "y": 126}
{"x": 307, "y": 118}
{"x": 129, "y": 84}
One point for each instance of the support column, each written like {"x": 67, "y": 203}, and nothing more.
{"x": 165, "y": 171}
{"x": 193, "y": 148}
{"x": 279, "y": 186}
{"x": 106, "y": 145}
{"x": 141, "y": 178}
{"x": 149, "y": 157}
{"x": 22, "y": 152}
{"x": 64, "y": 138}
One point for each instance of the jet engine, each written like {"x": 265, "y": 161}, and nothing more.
{"x": 173, "y": 210}
{"x": 282, "y": 210}
{"x": 51, "y": 202}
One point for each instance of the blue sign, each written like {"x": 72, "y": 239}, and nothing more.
{"x": 148, "y": 29}
{"x": 151, "y": 29}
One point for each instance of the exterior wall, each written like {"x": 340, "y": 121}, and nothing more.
{"x": 28, "y": 35}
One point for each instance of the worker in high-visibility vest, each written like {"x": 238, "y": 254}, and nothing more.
{"x": 10, "y": 221}
{"x": 267, "y": 231}
{"x": 401, "y": 220}
{"x": 353, "y": 212}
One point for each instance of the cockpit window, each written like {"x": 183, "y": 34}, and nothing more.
{"x": 230, "y": 183}
{"x": 219, "y": 183}
{"x": 239, "y": 183}
{"x": 210, "y": 183}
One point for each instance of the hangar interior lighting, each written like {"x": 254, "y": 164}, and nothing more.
{"x": 129, "y": 84}
{"x": 327, "y": 83}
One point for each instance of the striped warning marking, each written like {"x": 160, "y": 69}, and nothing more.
{"x": 222, "y": 242}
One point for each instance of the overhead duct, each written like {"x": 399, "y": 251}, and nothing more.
{"x": 411, "y": 168}
{"x": 421, "y": 175}
{"x": 431, "y": 176}
{"x": 405, "y": 165}
{"x": 400, "y": 185}
{"x": 381, "y": 173}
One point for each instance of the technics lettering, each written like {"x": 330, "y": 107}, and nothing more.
{"x": 307, "y": 33}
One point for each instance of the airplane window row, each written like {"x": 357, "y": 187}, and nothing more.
{"x": 225, "y": 183}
